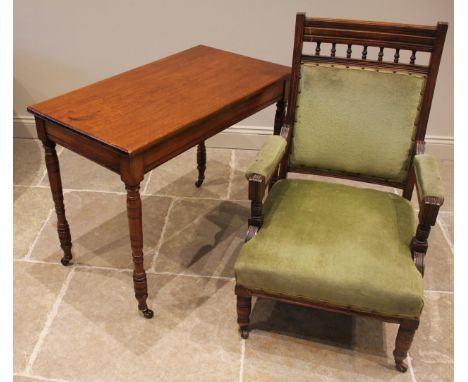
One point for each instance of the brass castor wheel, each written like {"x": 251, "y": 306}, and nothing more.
{"x": 199, "y": 182}
{"x": 147, "y": 313}
{"x": 401, "y": 366}
{"x": 244, "y": 333}
{"x": 66, "y": 261}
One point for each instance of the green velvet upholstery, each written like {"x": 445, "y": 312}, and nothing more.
{"x": 268, "y": 157}
{"x": 335, "y": 244}
{"x": 355, "y": 120}
{"x": 428, "y": 180}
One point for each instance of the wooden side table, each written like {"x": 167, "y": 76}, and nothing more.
{"x": 137, "y": 120}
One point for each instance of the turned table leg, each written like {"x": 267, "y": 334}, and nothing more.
{"x": 53, "y": 172}
{"x": 136, "y": 239}
{"x": 201, "y": 163}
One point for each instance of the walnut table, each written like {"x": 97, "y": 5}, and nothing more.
{"x": 137, "y": 120}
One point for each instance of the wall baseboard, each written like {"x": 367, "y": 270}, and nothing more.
{"x": 24, "y": 127}
{"x": 247, "y": 137}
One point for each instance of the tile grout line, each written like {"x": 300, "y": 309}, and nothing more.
{"x": 26, "y": 186}
{"x": 67, "y": 190}
{"x": 33, "y": 261}
{"x": 439, "y": 291}
{"x": 42, "y": 178}
{"x": 33, "y": 244}
{"x": 40, "y": 377}
{"x": 158, "y": 246}
{"x": 50, "y": 318}
{"x": 206, "y": 198}
{"x": 410, "y": 364}
{"x": 232, "y": 163}
{"x": 111, "y": 269}
{"x": 241, "y": 368}
{"x": 445, "y": 234}
{"x": 75, "y": 265}
{"x": 147, "y": 183}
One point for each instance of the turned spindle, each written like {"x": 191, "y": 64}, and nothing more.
{"x": 317, "y": 49}
{"x": 364, "y": 52}
{"x": 380, "y": 56}
{"x": 396, "y": 57}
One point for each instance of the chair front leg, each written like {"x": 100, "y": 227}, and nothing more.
{"x": 244, "y": 307}
{"x": 201, "y": 163}
{"x": 403, "y": 342}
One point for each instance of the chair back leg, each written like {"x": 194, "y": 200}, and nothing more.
{"x": 403, "y": 342}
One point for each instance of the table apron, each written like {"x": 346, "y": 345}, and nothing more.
{"x": 95, "y": 151}
{"x": 199, "y": 132}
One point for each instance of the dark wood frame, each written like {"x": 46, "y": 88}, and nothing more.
{"x": 365, "y": 33}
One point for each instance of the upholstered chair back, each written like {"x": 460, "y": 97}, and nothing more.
{"x": 356, "y": 120}
{"x": 359, "y": 99}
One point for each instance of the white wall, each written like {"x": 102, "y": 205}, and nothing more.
{"x": 60, "y": 45}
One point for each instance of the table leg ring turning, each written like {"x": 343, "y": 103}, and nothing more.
{"x": 63, "y": 229}
{"x": 135, "y": 225}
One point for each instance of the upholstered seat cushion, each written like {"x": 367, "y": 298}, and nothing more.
{"x": 336, "y": 245}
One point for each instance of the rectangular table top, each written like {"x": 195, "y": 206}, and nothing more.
{"x": 136, "y": 109}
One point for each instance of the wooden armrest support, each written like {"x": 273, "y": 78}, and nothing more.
{"x": 429, "y": 209}
{"x": 257, "y": 187}
{"x": 429, "y": 206}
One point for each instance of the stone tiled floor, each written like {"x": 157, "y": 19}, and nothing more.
{"x": 80, "y": 323}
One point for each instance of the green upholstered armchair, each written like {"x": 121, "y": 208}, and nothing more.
{"x": 332, "y": 246}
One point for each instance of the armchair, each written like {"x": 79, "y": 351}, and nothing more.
{"x": 332, "y": 246}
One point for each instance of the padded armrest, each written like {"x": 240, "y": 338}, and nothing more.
{"x": 428, "y": 180}
{"x": 268, "y": 157}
